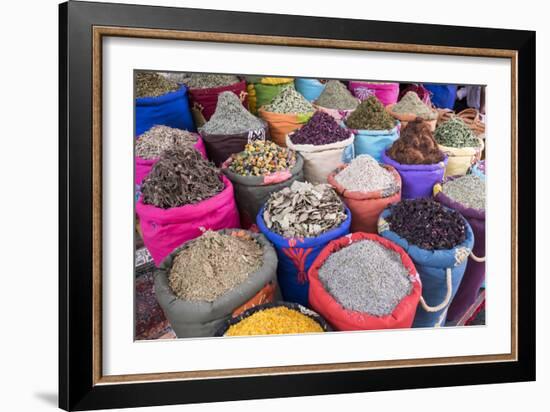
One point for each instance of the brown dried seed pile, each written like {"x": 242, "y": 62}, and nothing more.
{"x": 179, "y": 178}
{"x": 156, "y": 140}
{"x": 206, "y": 81}
{"x": 213, "y": 264}
{"x": 304, "y": 210}
{"x": 149, "y": 84}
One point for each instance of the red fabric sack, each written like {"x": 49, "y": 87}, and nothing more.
{"x": 204, "y": 101}
{"x": 342, "y": 319}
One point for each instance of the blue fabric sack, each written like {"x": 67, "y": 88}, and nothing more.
{"x": 374, "y": 142}
{"x": 311, "y": 89}
{"x": 296, "y": 256}
{"x": 170, "y": 109}
{"x": 443, "y": 96}
{"x": 435, "y": 267}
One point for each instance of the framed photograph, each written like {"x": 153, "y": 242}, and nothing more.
{"x": 257, "y": 205}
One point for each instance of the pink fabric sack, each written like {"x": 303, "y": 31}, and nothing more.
{"x": 385, "y": 92}
{"x": 164, "y": 230}
{"x": 144, "y": 166}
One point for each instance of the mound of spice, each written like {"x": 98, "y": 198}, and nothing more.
{"x": 468, "y": 190}
{"x": 213, "y": 264}
{"x": 411, "y": 103}
{"x": 206, "y": 81}
{"x": 149, "y": 84}
{"x": 274, "y": 321}
{"x": 261, "y": 158}
{"x": 416, "y": 145}
{"x": 455, "y": 133}
{"x": 337, "y": 96}
{"x": 364, "y": 174}
{"x": 289, "y": 101}
{"x": 304, "y": 210}
{"x": 158, "y": 139}
{"x": 370, "y": 115}
{"x": 321, "y": 129}
{"x": 180, "y": 177}
{"x": 427, "y": 224}
{"x": 366, "y": 277}
{"x": 231, "y": 117}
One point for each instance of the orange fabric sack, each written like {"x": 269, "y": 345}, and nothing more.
{"x": 281, "y": 124}
{"x": 366, "y": 207}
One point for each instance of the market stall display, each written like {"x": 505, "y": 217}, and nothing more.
{"x": 300, "y": 220}
{"x": 322, "y": 143}
{"x": 439, "y": 241}
{"x": 161, "y": 102}
{"x": 230, "y": 128}
{"x": 367, "y": 188}
{"x": 262, "y": 90}
{"x": 417, "y": 158}
{"x": 202, "y": 282}
{"x": 373, "y": 127}
{"x": 466, "y": 195}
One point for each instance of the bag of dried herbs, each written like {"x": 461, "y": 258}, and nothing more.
{"x": 160, "y": 101}
{"x": 460, "y": 144}
{"x": 230, "y": 128}
{"x": 322, "y": 143}
{"x": 300, "y": 220}
{"x": 311, "y": 89}
{"x": 466, "y": 195}
{"x": 261, "y": 169}
{"x": 201, "y": 283}
{"x": 287, "y": 112}
{"x": 385, "y": 92}
{"x": 439, "y": 241}
{"x": 151, "y": 144}
{"x": 410, "y": 107}
{"x": 204, "y": 90}
{"x": 262, "y": 90}
{"x": 373, "y": 127}
{"x": 182, "y": 194}
{"x": 367, "y": 188}
{"x": 336, "y": 100}
{"x": 277, "y": 318}
{"x": 417, "y": 159}
{"x": 364, "y": 282}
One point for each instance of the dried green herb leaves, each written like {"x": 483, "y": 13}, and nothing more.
{"x": 158, "y": 139}
{"x": 455, "y": 133}
{"x": 150, "y": 84}
{"x": 370, "y": 115}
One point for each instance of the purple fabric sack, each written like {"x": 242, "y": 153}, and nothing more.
{"x": 417, "y": 180}
{"x": 475, "y": 271}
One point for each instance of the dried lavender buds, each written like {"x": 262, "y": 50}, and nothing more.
{"x": 231, "y": 117}
{"x": 213, "y": 264}
{"x": 262, "y": 158}
{"x": 289, "y": 101}
{"x": 364, "y": 174}
{"x": 366, "y": 277}
{"x": 304, "y": 210}
{"x": 427, "y": 224}
{"x": 337, "y": 96}
{"x": 370, "y": 115}
{"x": 152, "y": 143}
{"x": 149, "y": 84}
{"x": 180, "y": 177}
{"x": 321, "y": 129}
{"x": 467, "y": 190}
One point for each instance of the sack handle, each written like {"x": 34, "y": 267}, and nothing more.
{"x": 447, "y": 299}
{"x": 477, "y": 259}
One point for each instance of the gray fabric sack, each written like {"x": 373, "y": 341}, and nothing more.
{"x": 251, "y": 193}
{"x": 202, "y": 319}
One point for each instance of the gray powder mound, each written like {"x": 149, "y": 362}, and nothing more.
{"x": 231, "y": 117}
{"x": 364, "y": 174}
{"x": 337, "y": 96}
{"x": 366, "y": 277}
{"x": 467, "y": 190}
{"x": 206, "y": 81}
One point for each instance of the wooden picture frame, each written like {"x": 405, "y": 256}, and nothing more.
{"x": 82, "y": 27}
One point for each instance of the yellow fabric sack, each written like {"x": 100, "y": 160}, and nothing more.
{"x": 461, "y": 159}
{"x": 276, "y": 80}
